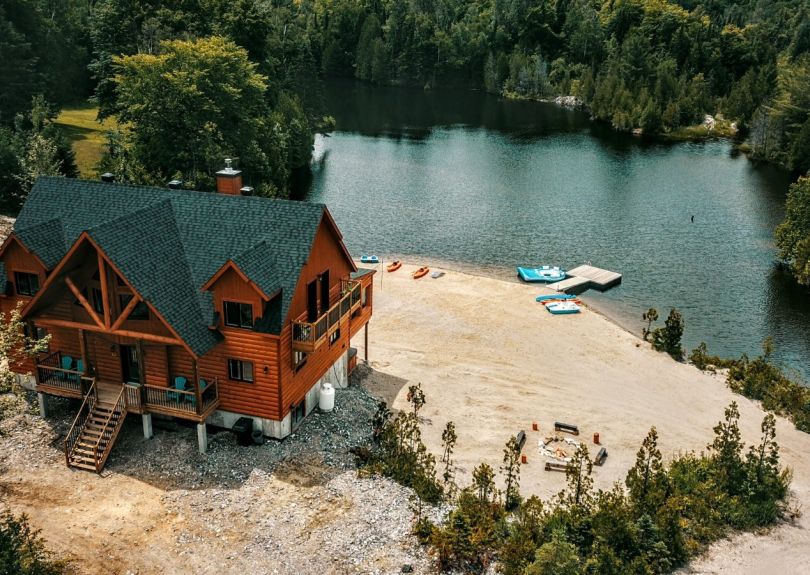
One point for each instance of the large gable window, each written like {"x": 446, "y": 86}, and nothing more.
{"x": 140, "y": 311}
{"x": 238, "y": 314}
{"x": 26, "y": 283}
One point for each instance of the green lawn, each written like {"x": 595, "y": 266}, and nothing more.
{"x": 88, "y": 136}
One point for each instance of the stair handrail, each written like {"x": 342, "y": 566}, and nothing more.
{"x": 75, "y": 429}
{"x": 120, "y": 409}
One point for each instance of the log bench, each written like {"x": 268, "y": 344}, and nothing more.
{"x": 556, "y": 466}
{"x": 566, "y": 427}
{"x": 600, "y": 457}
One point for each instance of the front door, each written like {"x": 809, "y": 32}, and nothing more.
{"x": 312, "y": 301}
{"x": 130, "y": 367}
{"x": 325, "y": 291}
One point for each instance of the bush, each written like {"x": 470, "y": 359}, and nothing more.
{"x": 22, "y": 551}
{"x": 668, "y": 338}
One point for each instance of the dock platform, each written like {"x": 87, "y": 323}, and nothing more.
{"x": 586, "y": 277}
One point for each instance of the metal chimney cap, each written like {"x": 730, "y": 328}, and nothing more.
{"x": 228, "y": 169}
{"x": 175, "y": 184}
{"x": 107, "y": 177}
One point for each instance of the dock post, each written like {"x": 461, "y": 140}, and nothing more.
{"x": 365, "y": 347}
{"x": 146, "y": 418}
{"x": 43, "y": 404}
{"x": 202, "y": 437}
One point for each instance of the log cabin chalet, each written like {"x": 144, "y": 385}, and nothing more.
{"x": 208, "y": 307}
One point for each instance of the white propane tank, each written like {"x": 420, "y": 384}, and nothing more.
{"x": 326, "y": 400}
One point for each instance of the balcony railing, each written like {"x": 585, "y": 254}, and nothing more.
{"x": 309, "y": 336}
{"x": 171, "y": 401}
{"x": 54, "y": 379}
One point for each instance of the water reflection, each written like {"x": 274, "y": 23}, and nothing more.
{"x": 490, "y": 184}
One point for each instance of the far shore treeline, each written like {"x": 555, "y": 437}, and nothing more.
{"x": 187, "y": 83}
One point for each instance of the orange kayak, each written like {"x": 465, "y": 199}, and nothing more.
{"x": 421, "y": 272}
{"x": 394, "y": 266}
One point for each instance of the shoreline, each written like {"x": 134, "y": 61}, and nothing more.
{"x": 491, "y": 360}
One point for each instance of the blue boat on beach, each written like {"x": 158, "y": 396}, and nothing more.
{"x": 554, "y": 297}
{"x": 541, "y": 274}
{"x": 369, "y": 259}
{"x": 562, "y": 307}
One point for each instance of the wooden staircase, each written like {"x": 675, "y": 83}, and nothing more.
{"x": 94, "y": 431}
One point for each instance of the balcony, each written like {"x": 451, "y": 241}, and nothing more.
{"x": 309, "y": 336}
{"x": 54, "y": 379}
{"x": 173, "y": 402}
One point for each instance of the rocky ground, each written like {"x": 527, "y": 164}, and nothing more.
{"x": 296, "y": 506}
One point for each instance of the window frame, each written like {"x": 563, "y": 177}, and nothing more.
{"x": 18, "y": 275}
{"x": 240, "y": 375}
{"x": 125, "y": 298}
{"x": 242, "y": 305}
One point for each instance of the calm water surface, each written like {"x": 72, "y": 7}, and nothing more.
{"x": 487, "y": 184}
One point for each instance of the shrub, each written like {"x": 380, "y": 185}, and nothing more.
{"x": 22, "y": 551}
{"x": 668, "y": 338}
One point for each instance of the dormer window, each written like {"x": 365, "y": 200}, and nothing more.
{"x": 26, "y": 283}
{"x": 238, "y": 314}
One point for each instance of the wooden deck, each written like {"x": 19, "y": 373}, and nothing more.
{"x": 586, "y": 277}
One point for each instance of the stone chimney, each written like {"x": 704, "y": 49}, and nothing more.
{"x": 229, "y": 181}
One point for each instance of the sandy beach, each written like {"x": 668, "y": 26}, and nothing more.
{"x": 494, "y": 361}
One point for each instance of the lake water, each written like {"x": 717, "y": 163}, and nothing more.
{"x": 486, "y": 184}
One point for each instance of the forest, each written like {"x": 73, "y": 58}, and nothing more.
{"x": 243, "y": 78}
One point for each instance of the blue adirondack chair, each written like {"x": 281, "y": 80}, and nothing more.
{"x": 66, "y": 363}
{"x": 192, "y": 398}
{"x": 180, "y": 385}
{"x": 80, "y": 369}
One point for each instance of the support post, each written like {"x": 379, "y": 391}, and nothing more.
{"x": 142, "y": 373}
{"x": 202, "y": 437}
{"x": 148, "y": 433}
{"x": 83, "y": 350}
{"x": 43, "y": 404}
{"x": 365, "y": 347}
{"x": 197, "y": 394}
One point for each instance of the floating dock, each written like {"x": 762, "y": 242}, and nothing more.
{"x": 587, "y": 277}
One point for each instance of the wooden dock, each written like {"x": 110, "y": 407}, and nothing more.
{"x": 586, "y": 277}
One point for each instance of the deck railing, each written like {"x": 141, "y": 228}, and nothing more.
{"x": 173, "y": 401}
{"x": 70, "y": 382}
{"x": 132, "y": 397}
{"x": 78, "y": 423}
{"x": 309, "y": 336}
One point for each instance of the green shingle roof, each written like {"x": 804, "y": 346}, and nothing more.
{"x": 168, "y": 243}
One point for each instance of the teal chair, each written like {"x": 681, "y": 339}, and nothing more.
{"x": 80, "y": 369}
{"x": 66, "y": 363}
{"x": 180, "y": 385}
{"x": 192, "y": 398}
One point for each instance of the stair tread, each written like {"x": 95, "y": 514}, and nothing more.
{"x": 83, "y": 466}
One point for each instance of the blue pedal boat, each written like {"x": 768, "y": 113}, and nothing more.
{"x": 546, "y": 274}
{"x": 369, "y": 259}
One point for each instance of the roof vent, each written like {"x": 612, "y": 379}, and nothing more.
{"x": 108, "y": 177}
{"x": 246, "y": 190}
{"x": 229, "y": 180}
{"x": 175, "y": 184}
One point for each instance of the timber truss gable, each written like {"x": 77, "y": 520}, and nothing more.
{"x": 87, "y": 291}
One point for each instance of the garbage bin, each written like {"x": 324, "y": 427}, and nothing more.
{"x": 243, "y": 428}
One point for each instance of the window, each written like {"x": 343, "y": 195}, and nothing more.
{"x": 98, "y": 300}
{"x": 140, "y": 311}
{"x": 39, "y": 334}
{"x": 298, "y": 412}
{"x": 299, "y": 359}
{"x": 27, "y": 284}
{"x": 239, "y": 370}
{"x": 334, "y": 336}
{"x": 238, "y": 314}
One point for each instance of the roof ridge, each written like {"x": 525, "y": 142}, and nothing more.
{"x": 184, "y": 192}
